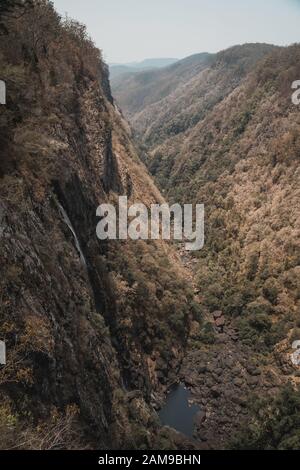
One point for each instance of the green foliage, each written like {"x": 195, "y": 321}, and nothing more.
{"x": 152, "y": 300}
{"x": 243, "y": 121}
{"x": 206, "y": 333}
{"x": 271, "y": 290}
{"x": 275, "y": 423}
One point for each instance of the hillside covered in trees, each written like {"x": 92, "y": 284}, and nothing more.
{"x": 226, "y": 134}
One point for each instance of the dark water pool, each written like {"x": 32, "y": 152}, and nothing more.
{"x": 177, "y": 412}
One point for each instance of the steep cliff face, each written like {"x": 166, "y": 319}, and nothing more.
{"x": 92, "y": 328}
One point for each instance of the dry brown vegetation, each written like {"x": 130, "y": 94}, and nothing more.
{"x": 238, "y": 153}
{"x": 228, "y": 137}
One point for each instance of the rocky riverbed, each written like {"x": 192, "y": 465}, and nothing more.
{"x": 224, "y": 376}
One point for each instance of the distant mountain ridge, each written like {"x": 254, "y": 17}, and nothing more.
{"x": 133, "y": 67}
{"x": 134, "y": 92}
{"x": 182, "y": 84}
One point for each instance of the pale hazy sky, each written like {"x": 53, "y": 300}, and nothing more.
{"x": 132, "y": 30}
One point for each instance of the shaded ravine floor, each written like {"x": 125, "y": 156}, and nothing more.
{"x": 222, "y": 377}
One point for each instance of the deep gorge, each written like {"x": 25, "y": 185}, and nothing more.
{"x": 98, "y": 331}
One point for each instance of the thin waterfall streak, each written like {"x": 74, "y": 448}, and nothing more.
{"x": 69, "y": 224}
